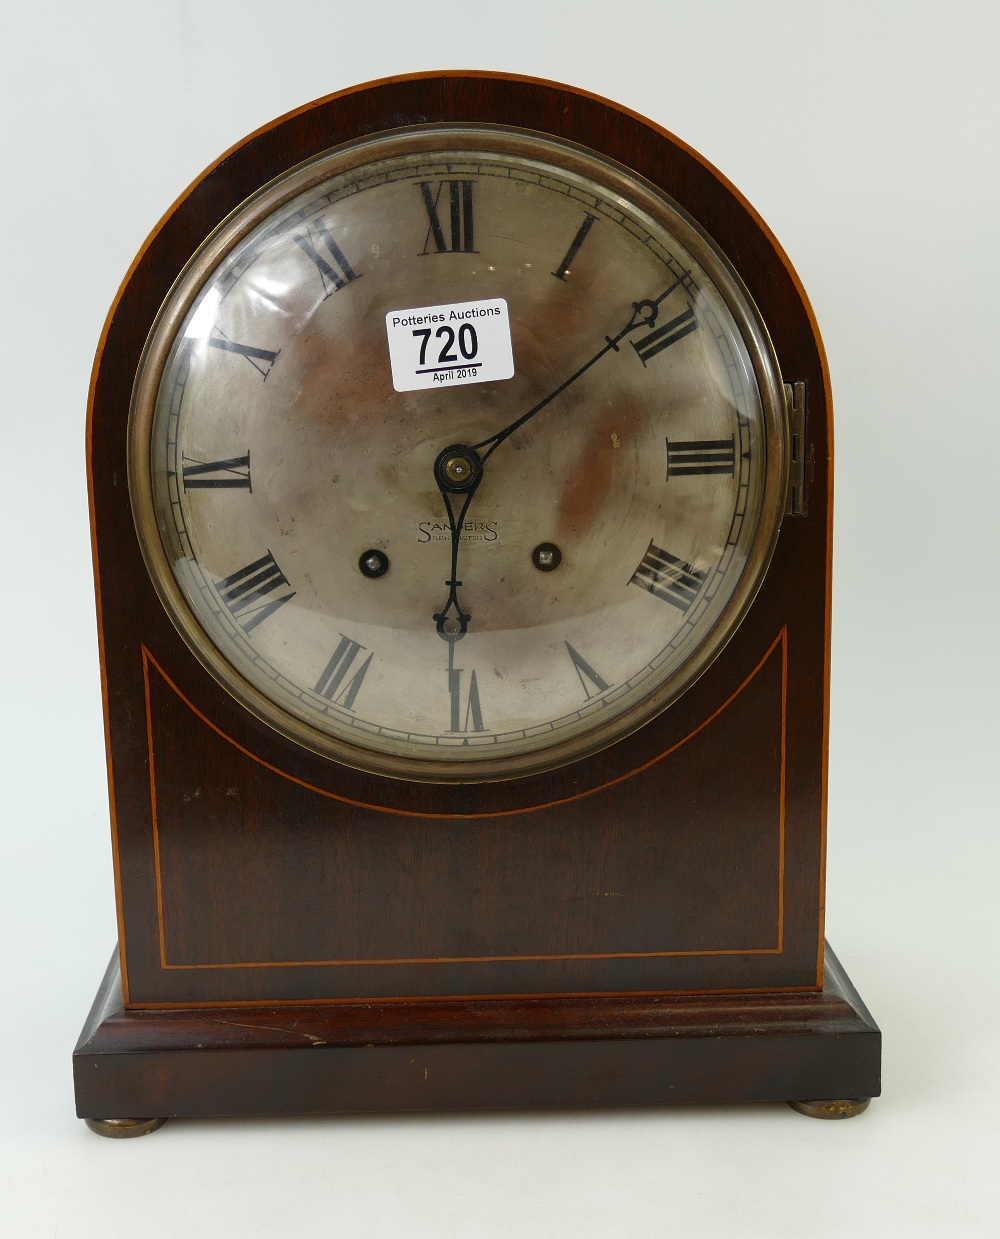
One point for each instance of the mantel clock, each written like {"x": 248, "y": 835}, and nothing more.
{"x": 459, "y": 453}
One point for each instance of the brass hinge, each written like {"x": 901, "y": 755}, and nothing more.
{"x": 795, "y": 404}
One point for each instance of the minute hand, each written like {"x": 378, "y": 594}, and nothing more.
{"x": 644, "y": 314}
{"x": 458, "y": 489}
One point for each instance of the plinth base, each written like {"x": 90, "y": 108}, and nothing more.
{"x": 496, "y": 1054}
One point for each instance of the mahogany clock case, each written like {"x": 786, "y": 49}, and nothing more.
{"x": 687, "y": 859}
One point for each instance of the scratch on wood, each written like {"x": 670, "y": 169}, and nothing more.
{"x": 273, "y": 1028}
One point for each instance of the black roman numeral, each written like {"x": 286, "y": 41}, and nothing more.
{"x": 700, "y": 456}
{"x": 667, "y": 577}
{"x": 335, "y": 272}
{"x": 261, "y": 359}
{"x": 473, "y": 710}
{"x": 246, "y": 593}
{"x": 232, "y": 474}
{"x": 333, "y": 684}
{"x": 563, "y": 269}
{"x": 586, "y": 673}
{"x": 460, "y": 237}
{"x": 656, "y": 341}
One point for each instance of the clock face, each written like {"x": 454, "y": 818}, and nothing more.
{"x": 457, "y": 453}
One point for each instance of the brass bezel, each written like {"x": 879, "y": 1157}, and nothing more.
{"x": 573, "y": 158}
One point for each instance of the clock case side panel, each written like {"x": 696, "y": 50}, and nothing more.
{"x": 592, "y": 895}
{"x": 794, "y": 598}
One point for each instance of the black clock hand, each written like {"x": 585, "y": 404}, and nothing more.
{"x": 644, "y": 314}
{"x": 452, "y": 466}
{"x": 458, "y": 470}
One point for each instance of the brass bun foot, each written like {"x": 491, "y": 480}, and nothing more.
{"x": 844, "y": 1109}
{"x": 122, "y": 1129}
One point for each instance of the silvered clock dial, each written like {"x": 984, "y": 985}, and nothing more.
{"x": 458, "y": 453}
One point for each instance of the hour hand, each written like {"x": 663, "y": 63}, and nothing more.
{"x": 452, "y": 622}
{"x": 458, "y": 471}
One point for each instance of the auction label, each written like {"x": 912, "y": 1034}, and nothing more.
{"x": 442, "y": 345}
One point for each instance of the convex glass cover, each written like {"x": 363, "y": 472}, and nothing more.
{"x": 457, "y": 453}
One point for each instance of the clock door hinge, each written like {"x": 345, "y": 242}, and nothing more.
{"x": 795, "y": 405}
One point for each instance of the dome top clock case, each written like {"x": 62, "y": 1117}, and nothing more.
{"x": 464, "y": 620}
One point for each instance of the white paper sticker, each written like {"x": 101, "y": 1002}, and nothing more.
{"x": 448, "y": 345}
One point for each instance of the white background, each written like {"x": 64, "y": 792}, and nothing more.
{"x": 866, "y": 135}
